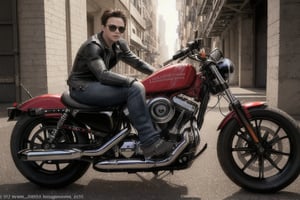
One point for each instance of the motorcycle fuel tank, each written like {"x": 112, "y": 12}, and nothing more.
{"x": 171, "y": 78}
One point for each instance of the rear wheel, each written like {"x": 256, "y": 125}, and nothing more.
{"x": 266, "y": 169}
{"x": 33, "y": 133}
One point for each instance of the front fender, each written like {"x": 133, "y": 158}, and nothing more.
{"x": 246, "y": 107}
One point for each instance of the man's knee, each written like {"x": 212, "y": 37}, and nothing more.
{"x": 138, "y": 87}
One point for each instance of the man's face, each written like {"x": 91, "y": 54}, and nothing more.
{"x": 114, "y": 28}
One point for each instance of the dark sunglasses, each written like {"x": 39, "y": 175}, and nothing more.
{"x": 113, "y": 28}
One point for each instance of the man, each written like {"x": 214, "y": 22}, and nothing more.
{"x": 91, "y": 81}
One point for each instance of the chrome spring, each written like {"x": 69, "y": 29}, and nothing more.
{"x": 60, "y": 123}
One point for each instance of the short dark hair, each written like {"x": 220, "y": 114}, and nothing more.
{"x": 113, "y": 13}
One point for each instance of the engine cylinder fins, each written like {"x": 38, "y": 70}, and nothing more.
{"x": 161, "y": 109}
{"x": 185, "y": 104}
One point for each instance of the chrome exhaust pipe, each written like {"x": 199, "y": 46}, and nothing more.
{"x": 40, "y": 154}
{"x": 117, "y": 164}
{"x": 108, "y": 145}
{"x": 71, "y": 154}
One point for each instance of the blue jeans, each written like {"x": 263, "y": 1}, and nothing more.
{"x": 105, "y": 95}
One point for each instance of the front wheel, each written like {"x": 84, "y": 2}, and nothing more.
{"x": 271, "y": 167}
{"x": 32, "y": 133}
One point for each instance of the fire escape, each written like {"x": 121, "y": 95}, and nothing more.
{"x": 216, "y": 15}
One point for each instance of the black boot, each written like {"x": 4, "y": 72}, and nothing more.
{"x": 158, "y": 148}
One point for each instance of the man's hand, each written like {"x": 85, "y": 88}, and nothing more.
{"x": 131, "y": 81}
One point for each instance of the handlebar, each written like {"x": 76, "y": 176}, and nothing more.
{"x": 181, "y": 53}
{"x": 215, "y": 55}
{"x": 194, "y": 45}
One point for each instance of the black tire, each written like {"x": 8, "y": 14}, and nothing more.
{"x": 270, "y": 171}
{"x": 31, "y": 132}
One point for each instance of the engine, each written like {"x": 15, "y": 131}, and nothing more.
{"x": 161, "y": 110}
{"x": 171, "y": 116}
{"x": 172, "y": 113}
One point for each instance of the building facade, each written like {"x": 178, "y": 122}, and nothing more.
{"x": 39, "y": 41}
{"x": 262, "y": 37}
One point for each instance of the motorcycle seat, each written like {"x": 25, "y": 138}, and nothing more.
{"x": 68, "y": 101}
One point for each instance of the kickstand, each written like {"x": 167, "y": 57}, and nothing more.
{"x": 163, "y": 174}
{"x": 201, "y": 151}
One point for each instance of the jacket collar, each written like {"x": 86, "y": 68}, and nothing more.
{"x": 101, "y": 39}
{"x": 115, "y": 46}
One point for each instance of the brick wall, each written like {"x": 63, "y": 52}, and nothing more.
{"x": 33, "y": 73}
{"x": 78, "y": 26}
{"x": 56, "y": 45}
{"x": 50, "y": 33}
{"x": 66, "y": 30}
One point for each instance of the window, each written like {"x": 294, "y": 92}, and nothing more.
{"x": 137, "y": 5}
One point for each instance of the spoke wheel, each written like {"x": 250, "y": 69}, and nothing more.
{"x": 40, "y": 140}
{"x": 274, "y": 154}
{"x": 33, "y": 133}
{"x": 269, "y": 166}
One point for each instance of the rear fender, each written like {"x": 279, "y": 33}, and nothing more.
{"x": 247, "y": 107}
{"x": 47, "y": 104}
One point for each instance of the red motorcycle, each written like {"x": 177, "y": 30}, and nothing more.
{"x": 56, "y": 138}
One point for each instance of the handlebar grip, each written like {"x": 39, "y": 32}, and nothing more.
{"x": 181, "y": 53}
{"x": 167, "y": 62}
{"x": 196, "y": 44}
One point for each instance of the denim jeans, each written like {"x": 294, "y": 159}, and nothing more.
{"x": 105, "y": 95}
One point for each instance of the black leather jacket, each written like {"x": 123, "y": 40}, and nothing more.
{"x": 94, "y": 60}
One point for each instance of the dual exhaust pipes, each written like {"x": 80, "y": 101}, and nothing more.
{"x": 73, "y": 154}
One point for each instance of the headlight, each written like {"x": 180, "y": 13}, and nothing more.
{"x": 225, "y": 67}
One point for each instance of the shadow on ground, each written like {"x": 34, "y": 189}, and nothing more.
{"x": 282, "y": 195}
{"x": 101, "y": 189}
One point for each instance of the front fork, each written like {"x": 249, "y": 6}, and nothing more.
{"x": 236, "y": 106}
